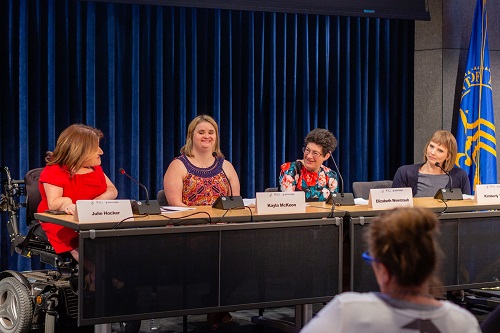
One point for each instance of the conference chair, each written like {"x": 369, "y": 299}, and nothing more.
{"x": 162, "y": 198}
{"x": 492, "y": 322}
{"x": 362, "y": 189}
{"x": 36, "y": 243}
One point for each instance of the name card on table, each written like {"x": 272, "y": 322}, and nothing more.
{"x": 487, "y": 193}
{"x": 102, "y": 210}
{"x": 280, "y": 202}
{"x": 384, "y": 198}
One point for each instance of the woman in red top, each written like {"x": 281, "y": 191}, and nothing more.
{"x": 73, "y": 172}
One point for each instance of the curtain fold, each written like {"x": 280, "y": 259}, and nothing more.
{"x": 141, "y": 73}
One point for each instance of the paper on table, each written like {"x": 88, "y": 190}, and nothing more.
{"x": 172, "y": 209}
{"x": 360, "y": 201}
{"x": 249, "y": 202}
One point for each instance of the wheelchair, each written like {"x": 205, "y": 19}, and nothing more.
{"x": 44, "y": 299}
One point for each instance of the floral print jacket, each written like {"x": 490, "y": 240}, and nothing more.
{"x": 295, "y": 177}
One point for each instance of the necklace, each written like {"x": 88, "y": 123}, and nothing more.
{"x": 203, "y": 165}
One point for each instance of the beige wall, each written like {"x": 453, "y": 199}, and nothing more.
{"x": 441, "y": 47}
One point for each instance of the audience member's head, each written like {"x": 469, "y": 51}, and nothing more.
{"x": 404, "y": 240}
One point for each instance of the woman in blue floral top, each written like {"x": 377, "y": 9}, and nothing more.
{"x": 309, "y": 174}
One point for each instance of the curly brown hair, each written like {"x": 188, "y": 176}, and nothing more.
{"x": 323, "y": 138}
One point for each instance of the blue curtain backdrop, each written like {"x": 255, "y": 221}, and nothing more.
{"x": 141, "y": 73}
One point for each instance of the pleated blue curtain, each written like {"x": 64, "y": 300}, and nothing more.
{"x": 141, "y": 73}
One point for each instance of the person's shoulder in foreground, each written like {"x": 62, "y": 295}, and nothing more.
{"x": 404, "y": 254}
{"x": 368, "y": 313}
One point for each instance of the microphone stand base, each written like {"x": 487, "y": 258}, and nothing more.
{"x": 228, "y": 202}
{"x": 340, "y": 199}
{"x": 144, "y": 207}
{"x": 446, "y": 194}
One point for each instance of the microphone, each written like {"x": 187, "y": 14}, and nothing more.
{"x": 341, "y": 199}
{"x": 227, "y": 202}
{"x": 448, "y": 193}
{"x": 142, "y": 207}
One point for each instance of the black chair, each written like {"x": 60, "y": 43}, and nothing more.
{"x": 362, "y": 189}
{"x": 36, "y": 243}
{"x": 492, "y": 322}
{"x": 162, "y": 198}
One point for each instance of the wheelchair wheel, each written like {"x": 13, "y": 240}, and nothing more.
{"x": 16, "y": 310}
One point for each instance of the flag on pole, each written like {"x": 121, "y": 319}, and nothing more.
{"x": 476, "y": 141}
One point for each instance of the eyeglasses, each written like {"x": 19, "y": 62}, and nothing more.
{"x": 308, "y": 151}
{"x": 368, "y": 258}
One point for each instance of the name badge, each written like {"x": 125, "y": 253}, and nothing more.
{"x": 102, "y": 210}
{"x": 280, "y": 202}
{"x": 383, "y": 198}
{"x": 487, "y": 193}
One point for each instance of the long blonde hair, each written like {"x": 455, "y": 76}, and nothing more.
{"x": 74, "y": 146}
{"x": 187, "y": 149}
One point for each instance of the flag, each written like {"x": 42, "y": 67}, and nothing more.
{"x": 476, "y": 141}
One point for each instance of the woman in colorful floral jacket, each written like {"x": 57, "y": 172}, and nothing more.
{"x": 309, "y": 174}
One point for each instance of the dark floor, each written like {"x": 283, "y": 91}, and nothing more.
{"x": 198, "y": 323}
{"x": 242, "y": 320}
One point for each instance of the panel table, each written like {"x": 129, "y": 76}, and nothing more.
{"x": 179, "y": 266}
{"x": 470, "y": 235}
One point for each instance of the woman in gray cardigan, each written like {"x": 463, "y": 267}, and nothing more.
{"x": 427, "y": 178}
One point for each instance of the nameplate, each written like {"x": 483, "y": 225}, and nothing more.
{"x": 487, "y": 193}
{"x": 280, "y": 202}
{"x": 102, "y": 210}
{"x": 384, "y": 198}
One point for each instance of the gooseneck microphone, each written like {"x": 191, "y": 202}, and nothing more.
{"x": 227, "y": 202}
{"x": 341, "y": 199}
{"x": 122, "y": 171}
{"x": 448, "y": 193}
{"x": 142, "y": 207}
{"x": 447, "y": 173}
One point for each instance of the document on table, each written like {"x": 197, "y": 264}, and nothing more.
{"x": 249, "y": 202}
{"x": 174, "y": 209}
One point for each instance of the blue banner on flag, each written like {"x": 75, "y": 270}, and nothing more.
{"x": 476, "y": 140}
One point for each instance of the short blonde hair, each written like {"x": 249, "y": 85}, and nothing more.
{"x": 73, "y": 146}
{"x": 444, "y": 138}
{"x": 187, "y": 149}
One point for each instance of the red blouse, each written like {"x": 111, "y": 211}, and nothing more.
{"x": 77, "y": 187}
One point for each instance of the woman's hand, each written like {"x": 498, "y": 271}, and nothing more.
{"x": 69, "y": 209}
